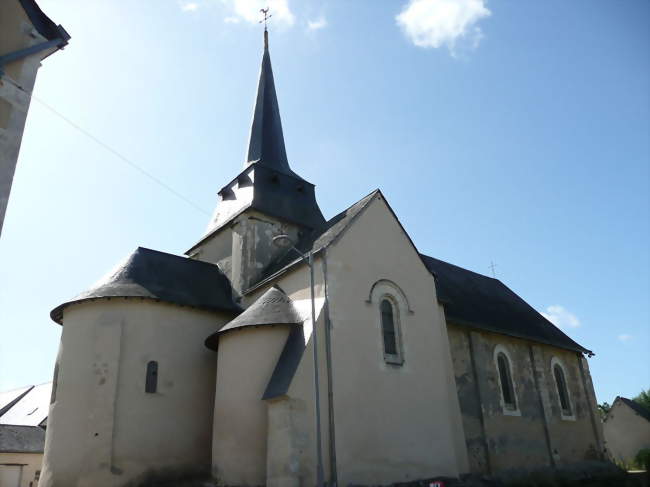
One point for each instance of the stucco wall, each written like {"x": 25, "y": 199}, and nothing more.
{"x": 246, "y": 359}
{"x": 536, "y": 434}
{"x": 103, "y": 428}
{"x": 16, "y": 32}
{"x": 30, "y": 462}
{"x": 392, "y": 422}
{"x": 625, "y": 432}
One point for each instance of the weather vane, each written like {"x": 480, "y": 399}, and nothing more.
{"x": 265, "y": 11}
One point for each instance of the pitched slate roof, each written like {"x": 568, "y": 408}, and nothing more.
{"x": 482, "y": 302}
{"x": 21, "y": 439}
{"x": 31, "y": 409}
{"x": 636, "y": 407}
{"x": 165, "y": 277}
{"x": 273, "y": 307}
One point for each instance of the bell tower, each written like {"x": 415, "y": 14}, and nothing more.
{"x": 265, "y": 199}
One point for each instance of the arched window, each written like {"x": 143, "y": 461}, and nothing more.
{"x": 390, "y": 332}
{"x": 151, "y": 383}
{"x": 388, "y": 328}
{"x": 505, "y": 379}
{"x": 561, "y": 386}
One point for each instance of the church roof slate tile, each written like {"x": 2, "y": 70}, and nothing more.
{"x": 21, "y": 439}
{"x": 273, "y": 307}
{"x": 165, "y": 277}
{"x": 479, "y": 301}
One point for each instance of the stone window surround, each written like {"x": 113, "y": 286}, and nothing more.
{"x": 565, "y": 417}
{"x": 501, "y": 349}
{"x": 385, "y": 289}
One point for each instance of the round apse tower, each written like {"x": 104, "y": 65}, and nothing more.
{"x": 134, "y": 384}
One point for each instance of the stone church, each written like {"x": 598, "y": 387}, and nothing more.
{"x": 206, "y": 361}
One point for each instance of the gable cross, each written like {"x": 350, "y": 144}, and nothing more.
{"x": 492, "y": 267}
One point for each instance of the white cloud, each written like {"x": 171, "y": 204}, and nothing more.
{"x": 561, "y": 317}
{"x": 436, "y": 23}
{"x": 231, "y": 20}
{"x": 249, "y": 10}
{"x": 624, "y": 337}
{"x": 317, "y": 24}
{"x": 189, "y": 6}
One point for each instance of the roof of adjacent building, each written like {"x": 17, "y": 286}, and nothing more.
{"x": 486, "y": 303}
{"x": 163, "y": 277}
{"x": 31, "y": 407}
{"x": 273, "y": 307}
{"x": 43, "y": 24}
{"x": 635, "y": 406}
{"x": 21, "y": 439}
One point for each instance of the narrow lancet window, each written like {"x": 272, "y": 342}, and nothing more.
{"x": 388, "y": 328}
{"x": 562, "y": 391}
{"x": 151, "y": 384}
{"x": 507, "y": 389}
{"x": 55, "y": 383}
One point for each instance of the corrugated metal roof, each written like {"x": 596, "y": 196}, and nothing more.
{"x": 32, "y": 409}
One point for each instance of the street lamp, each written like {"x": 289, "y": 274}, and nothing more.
{"x": 284, "y": 241}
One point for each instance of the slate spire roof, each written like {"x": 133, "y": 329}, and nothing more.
{"x": 266, "y": 141}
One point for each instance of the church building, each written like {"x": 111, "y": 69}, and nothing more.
{"x": 206, "y": 362}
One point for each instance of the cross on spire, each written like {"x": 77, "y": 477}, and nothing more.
{"x": 492, "y": 267}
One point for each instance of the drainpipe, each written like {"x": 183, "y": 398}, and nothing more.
{"x": 328, "y": 365}
{"x": 58, "y": 42}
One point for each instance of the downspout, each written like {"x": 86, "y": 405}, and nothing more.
{"x": 328, "y": 363}
{"x": 59, "y": 43}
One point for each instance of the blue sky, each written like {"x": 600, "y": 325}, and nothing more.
{"x": 513, "y": 132}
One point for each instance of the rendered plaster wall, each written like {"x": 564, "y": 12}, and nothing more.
{"x": 625, "y": 432}
{"x": 246, "y": 248}
{"x": 536, "y": 434}
{"x": 103, "y": 429}
{"x": 30, "y": 462}
{"x": 16, "y": 32}
{"x": 217, "y": 250}
{"x": 246, "y": 359}
{"x": 393, "y": 423}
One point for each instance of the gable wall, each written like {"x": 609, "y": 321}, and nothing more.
{"x": 625, "y": 432}
{"x": 537, "y": 435}
{"x": 392, "y": 423}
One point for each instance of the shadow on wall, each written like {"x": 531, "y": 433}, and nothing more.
{"x": 174, "y": 477}
{"x": 582, "y": 474}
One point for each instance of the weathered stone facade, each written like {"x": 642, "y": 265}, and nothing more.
{"x": 536, "y": 433}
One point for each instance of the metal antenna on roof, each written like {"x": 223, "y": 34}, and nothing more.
{"x": 492, "y": 267}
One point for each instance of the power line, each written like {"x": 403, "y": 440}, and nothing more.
{"x": 107, "y": 147}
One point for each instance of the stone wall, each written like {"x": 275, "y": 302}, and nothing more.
{"x": 536, "y": 433}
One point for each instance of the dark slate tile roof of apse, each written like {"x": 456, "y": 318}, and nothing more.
{"x": 165, "y": 277}
{"x": 273, "y": 307}
{"x": 21, "y": 439}
{"x": 482, "y": 302}
{"x": 636, "y": 407}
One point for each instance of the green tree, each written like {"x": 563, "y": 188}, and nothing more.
{"x": 603, "y": 409}
{"x": 643, "y": 399}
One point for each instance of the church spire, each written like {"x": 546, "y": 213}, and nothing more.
{"x": 266, "y": 142}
